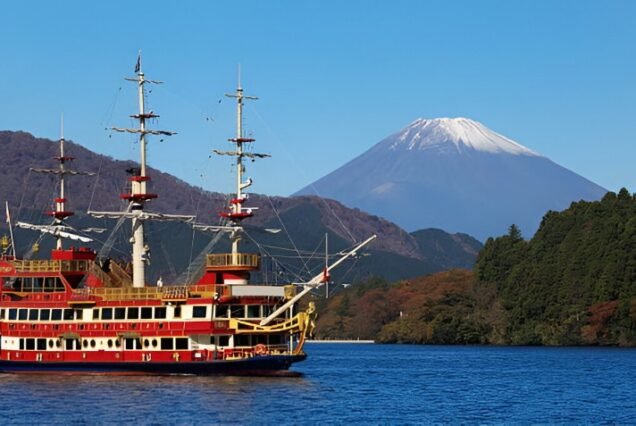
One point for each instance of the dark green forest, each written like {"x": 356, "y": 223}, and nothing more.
{"x": 572, "y": 283}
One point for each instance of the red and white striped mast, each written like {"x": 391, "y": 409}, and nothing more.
{"x": 236, "y": 211}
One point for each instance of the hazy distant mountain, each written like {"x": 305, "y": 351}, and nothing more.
{"x": 457, "y": 175}
{"x": 395, "y": 253}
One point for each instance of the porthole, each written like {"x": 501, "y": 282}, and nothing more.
{"x": 58, "y": 343}
{"x": 110, "y": 343}
{"x": 50, "y": 343}
{"x": 92, "y": 343}
{"x": 146, "y": 343}
{"x": 154, "y": 343}
{"x": 117, "y": 343}
{"x": 85, "y": 343}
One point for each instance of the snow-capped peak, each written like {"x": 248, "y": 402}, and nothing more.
{"x": 464, "y": 133}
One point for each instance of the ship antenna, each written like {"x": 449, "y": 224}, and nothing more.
{"x": 236, "y": 211}
{"x": 139, "y": 195}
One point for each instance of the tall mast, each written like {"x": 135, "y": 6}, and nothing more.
{"x": 59, "y": 213}
{"x": 139, "y": 195}
{"x": 236, "y": 210}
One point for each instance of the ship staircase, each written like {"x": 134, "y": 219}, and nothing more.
{"x": 111, "y": 275}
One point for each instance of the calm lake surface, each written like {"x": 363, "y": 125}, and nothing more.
{"x": 354, "y": 383}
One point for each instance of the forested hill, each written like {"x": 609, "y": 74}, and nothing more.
{"x": 573, "y": 283}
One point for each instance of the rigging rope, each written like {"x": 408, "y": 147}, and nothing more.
{"x": 302, "y": 171}
{"x": 286, "y": 232}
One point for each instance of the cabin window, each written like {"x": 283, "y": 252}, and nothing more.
{"x": 30, "y": 344}
{"x": 107, "y": 314}
{"x": 120, "y": 313}
{"x": 1, "y": 314}
{"x": 56, "y": 314}
{"x": 96, "y": 313}
{"x": 167, "y": 343}
{"x": 181, "y": 343}
{"x": 224, "y": 340}
{"x": 275, "y": 339}
{"x": 45, "y": 314}
{"x": 146, "y": 313}
{"x": 221, "y": 311}
{"x": 237, "y": 311}
{"x": 241, "y": 340}
{"x": 199, "y": 311}
{"x": 177, "y": 311}
{"x": 21, "y": 344}
{"x": 22, "y": 314}
{"x": 160, "y": 313}
{"x": 13, "y": 314}
{"x": 133, "y": 313}
{"x": 266, "y": 310}
{"x": 79, "y": 314}
{"x": 68, "y": 314}
{"x": 41, "y": 343}
{"x": 33, "y": 314}
{"x": 38, "y": 284}
{"x": 253, "y": 311}
{"x": 49, "y": 284}
{"x": 68, "y": 344}
{"x": 132, "y": 344}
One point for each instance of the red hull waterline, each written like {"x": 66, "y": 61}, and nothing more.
{"x": 269, "y": 366}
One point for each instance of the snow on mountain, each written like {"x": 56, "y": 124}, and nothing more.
{"x": 454, "y": 174}
{"x": 463, "y": 133}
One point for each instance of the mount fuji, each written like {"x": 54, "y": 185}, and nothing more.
{"x": 457, "y": 175}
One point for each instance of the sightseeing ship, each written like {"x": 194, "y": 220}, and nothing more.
{"x": 77, "y": 312}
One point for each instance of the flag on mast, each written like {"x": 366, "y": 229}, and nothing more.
{"x": 138, "y": 64}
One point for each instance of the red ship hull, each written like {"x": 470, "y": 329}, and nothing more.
{"x": 275, "y": 365}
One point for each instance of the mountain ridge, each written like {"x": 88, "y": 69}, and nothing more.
{"x": 476, "y": 191}
{"x": 23, "y": 150}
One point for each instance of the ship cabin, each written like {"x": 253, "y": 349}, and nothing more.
{"x": 74, "y": 307}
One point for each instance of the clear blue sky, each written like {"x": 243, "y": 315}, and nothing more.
{"x": 334, "y": 78}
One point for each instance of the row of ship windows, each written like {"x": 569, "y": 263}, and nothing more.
{"x": 33, "y": 284}
{"x": 132, "y": 313}
{"x": 163, "y": 343}
{"x": 135, "y": 343}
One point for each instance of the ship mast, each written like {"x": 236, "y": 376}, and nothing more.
{"x": 139, "y": 195}
{"x": 236, "y": 211}
{"x": 60, "y": 213}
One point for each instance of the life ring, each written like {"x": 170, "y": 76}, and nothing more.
{"x": 260, "y": 349}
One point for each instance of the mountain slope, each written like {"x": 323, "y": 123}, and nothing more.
{"x": 396, "y": 253}
{"x": 457, "y": 175}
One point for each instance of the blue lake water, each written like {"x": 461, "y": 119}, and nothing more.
{"x": 354, "y": 383}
